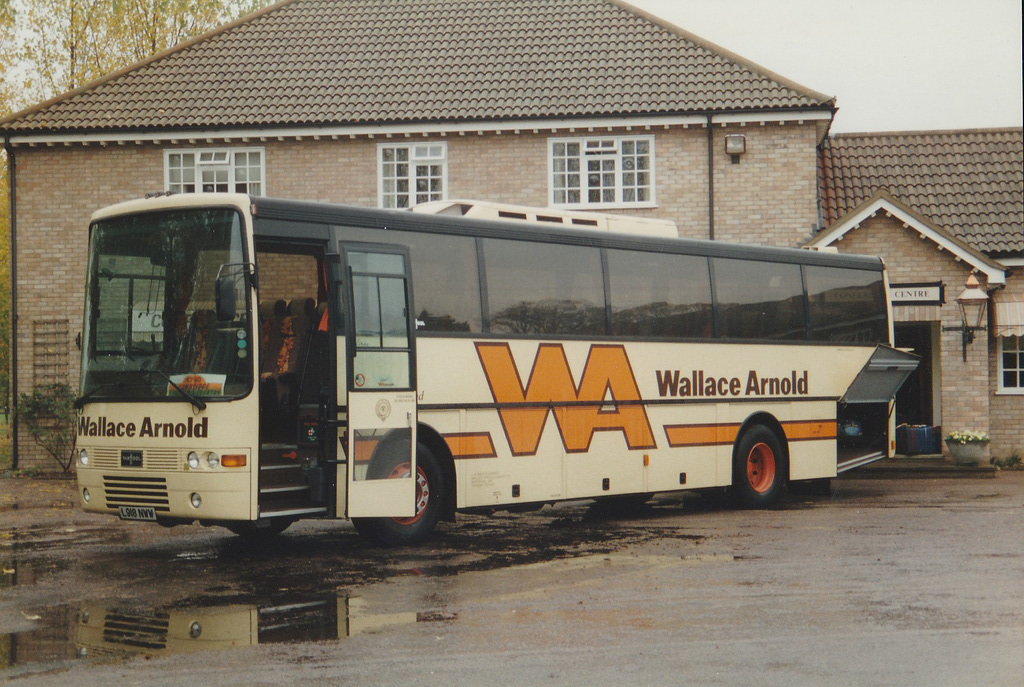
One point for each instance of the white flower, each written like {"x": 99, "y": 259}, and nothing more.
{"x": 967, "y": 436}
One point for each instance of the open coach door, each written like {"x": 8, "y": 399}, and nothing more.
{"x": 865, "y": 409}
{"x": 378, "y": 381}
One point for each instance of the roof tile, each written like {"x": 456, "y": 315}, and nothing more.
{"x": 422, "y": 60}
{"x": 970, "y": 183}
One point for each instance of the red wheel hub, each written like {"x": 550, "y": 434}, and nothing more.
{"x": 422, "y": 491}
{"x": 760, "y": 467}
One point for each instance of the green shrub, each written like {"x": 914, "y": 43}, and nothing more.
{"x": 49, "y": 415}
{"x": 1011, "y": 462}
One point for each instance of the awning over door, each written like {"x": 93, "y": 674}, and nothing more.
{"x": 1008, "y": 314}
{"x": 881, "y": 377}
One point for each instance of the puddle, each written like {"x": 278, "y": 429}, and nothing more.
{"x": 198, "y": 555}
{"x": 15, "y": 572}
{"x": 100, "y": 632}
{"x": 45, "y": 537}
{"x": 230, "y": 594}
{"x": 45, "y": 646}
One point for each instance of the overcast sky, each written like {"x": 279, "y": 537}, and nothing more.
{"x": 893, "y": 65}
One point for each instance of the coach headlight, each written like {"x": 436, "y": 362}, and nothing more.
{"x": 193, "y": 460}
{"x": 213, "y": 460}
{"x": 196, "y": 500}
{"x": 83, "y": 457}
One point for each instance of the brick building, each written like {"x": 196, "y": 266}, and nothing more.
{"x": 939, "y": 206}
{"x": 585, "y": 104}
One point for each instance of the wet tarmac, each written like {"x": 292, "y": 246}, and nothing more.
{"x": 82, "y": 595}
{"x": 195, "y": 589}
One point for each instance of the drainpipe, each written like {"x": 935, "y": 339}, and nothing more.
{"x": 711, "y": 181}
{"x": 13, "y": 322}
{"x": 824, "y": 159}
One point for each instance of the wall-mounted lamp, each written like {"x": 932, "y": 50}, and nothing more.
{"x": 735, "y": 145}
{"x": 972, "y": 302}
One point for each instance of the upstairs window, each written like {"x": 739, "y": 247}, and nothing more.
{"x": 231, "y": 170}
{"x": 605, "y": 172}
{"x": 411, "y": 174}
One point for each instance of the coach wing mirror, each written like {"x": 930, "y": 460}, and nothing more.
{"x": 225, "y": 301}
{"x": 226, "y": 304}
{"x": 224, "y": 294}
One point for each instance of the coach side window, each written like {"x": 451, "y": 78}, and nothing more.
{"x": 445, "y": 281}
{"x": 659, "y": 295}
{"x": 544, "y": 288}
{"x": 758, "y": 300}
{"x": 446, "y": 285}
{"x": 846, "y": 305}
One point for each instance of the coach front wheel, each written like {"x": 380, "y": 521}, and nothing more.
{"x": 254, "y": 532}
{"x": 430, "y": 498}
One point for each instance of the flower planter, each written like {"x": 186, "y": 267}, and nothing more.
{"x": 967, "y": 454}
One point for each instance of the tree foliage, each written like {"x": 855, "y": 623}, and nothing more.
{"x": 146, "y": 27}
{"x": 7, "y": 55}
{"x": 62, "y": 45}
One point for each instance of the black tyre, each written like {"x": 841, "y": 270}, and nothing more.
{"x": 758, "y": 469}
{"x": 824, "y": 486}
{"x": 429, "y": 499}
{"x": 252, "y": 531}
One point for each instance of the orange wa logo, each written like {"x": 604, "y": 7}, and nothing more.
{"x": 606, "y": 399}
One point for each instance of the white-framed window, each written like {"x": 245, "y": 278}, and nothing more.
{"x": 1011, "y": 364}
{"x": 604, "y": 171}
{"x": 221, "y": 170}
{"x": 411, "y": 173}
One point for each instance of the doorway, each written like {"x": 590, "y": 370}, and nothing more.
{"x": 917, "y": 399}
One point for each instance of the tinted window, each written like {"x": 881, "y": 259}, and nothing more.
{"x": 152, "y": 317}
{"x": 544, "y": 288}
{"x": 846, "y": 305}
{"x": 659, "y": 295}
{"x": 758, "y": 300}
{"x": 445, "y": 282}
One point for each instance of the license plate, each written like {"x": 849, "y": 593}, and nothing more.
{"x": 138, "y": 513}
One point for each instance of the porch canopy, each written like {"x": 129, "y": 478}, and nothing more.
{"x": 1008, "y": 314}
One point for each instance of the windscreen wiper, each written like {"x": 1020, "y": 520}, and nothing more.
{"x": 80, "y": 401}
{"x": 198, "y": 403}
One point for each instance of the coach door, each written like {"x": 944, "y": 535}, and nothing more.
{"x": 379, "y": 381}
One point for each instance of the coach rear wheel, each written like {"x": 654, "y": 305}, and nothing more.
{"x": 759, "y": 469}
{"x": 824, "y": 486}
{"x": 429, "y": 500}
